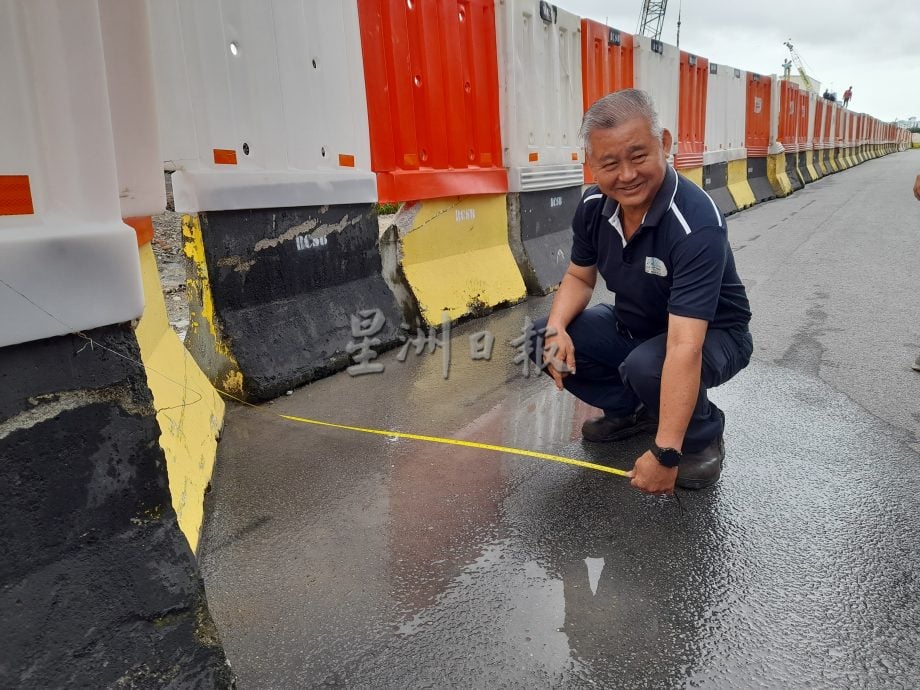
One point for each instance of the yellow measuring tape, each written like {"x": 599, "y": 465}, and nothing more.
{"x": 458, "y": 442}
{"x": 316, "y": 422}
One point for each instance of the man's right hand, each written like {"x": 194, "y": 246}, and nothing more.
{"x": 917, "y": 188}
{"x": 558, "y": 355}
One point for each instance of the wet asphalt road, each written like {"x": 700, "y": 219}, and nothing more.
{"x": 339, "y": 559}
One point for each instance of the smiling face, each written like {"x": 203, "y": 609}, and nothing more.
{"x": 629, "y": 163}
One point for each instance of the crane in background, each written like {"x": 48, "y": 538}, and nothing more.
{"x": 799, "y": 65}
{"x": 652, "y": 18}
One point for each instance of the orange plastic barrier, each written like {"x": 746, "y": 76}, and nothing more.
{"x": 817, "y": 133}
{"x": 431, "y": 68}
{"x": 606, "y": 64}
{"x": 691, "y": 117}
{"x": 143, "y": 228}
{"x": 801, "y": 120}
{"x": 788, "y": 111}
{"x": 757, "y": 116}
{"x": 827, "y": 138}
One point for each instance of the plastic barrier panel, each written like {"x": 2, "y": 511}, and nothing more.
{"x": 67, "y": 261}
{"x": 691, "y": 122}
{"x": 453, "y": 256}
{"x": 802, "y": 115}
{"x": 818, "y": 159}
{"x": 430, "y": 68}
{"x": 657, "y": 71}
{"x": 540, "y": 78}
{"x": 261, "y": 105}
{"x": 804, "y": 127}
{"x": 725, "y": 114}
{"x": 606, "y": 64}
{"x": 724, "y": 170}
{"x": 788, "y": 115}
{"x": 540, "y": 235}
{"x": 757, "y": 115}
{"x": 787, "y": 109}
{"x": 275, "y": 294}
{"x": 129, "y": 77}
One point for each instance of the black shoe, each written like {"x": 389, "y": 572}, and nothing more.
{"x": 605, "y": 429}
{"x": 703, "y": 468}
{"x": 916, "y": 365}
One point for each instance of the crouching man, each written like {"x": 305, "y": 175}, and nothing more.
{"x": 679, "y": 325}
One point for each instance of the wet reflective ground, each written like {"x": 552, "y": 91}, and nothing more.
{"x": 334, "y": 558}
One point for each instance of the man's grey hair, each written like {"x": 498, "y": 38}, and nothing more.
{"x": 616, "y": 108}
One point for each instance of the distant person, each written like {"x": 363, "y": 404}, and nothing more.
{"x": 787, "y": 69}
{"x": 916, "y": 364}
{"x": 680, "y": 322}
{"x": 847, "y": 95}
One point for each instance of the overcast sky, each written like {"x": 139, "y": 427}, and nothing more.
{"x": 875, "y": 47}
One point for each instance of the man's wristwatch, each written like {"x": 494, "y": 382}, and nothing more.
{"x": 669, "y": 457}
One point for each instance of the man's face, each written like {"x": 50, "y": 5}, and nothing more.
{"x": 628, "y": 163}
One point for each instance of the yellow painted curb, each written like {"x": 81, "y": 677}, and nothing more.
{"x": 809, "y": 165}
{"x": 205, "y": 337}
{"x": 189, "y": 411}
{"x": 695, "y": 175}
{"x": 840, "y": 159}
{"x": 738, "y": 186}
{"x": 776, "y": 174}
{"x": 822, "y": 167}
{"x": 454, "y": 256}
{"x": 851, "y": 159}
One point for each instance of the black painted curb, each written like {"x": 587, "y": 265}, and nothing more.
{"x": 98, "y": 586}
{"x": 286, "y": 284}
{"x": 540, "y": 235}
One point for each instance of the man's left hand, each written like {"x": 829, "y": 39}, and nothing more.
{"x": 651, "y": 476}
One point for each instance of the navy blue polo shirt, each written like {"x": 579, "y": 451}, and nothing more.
{"x": 678, "y": 261}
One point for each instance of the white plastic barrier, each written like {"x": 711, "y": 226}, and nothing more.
{"x": 129, "y": 75}
{"x": 726, "y": 105}
{"x": 775, "y": 146}
{"x": 812, "y": 110}
{"x": 262, "y": 104}
{"x": 540, "y": 77}
{"x": 67, "y": 262}
{"x": 657, "y": 71}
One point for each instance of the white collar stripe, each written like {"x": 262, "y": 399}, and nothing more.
{"x": 680, "y": 218}
{"x": 593, "y": 197}
{"x": 674, "y": 193}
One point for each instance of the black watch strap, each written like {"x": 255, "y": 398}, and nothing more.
{"x": 669, "y": 457}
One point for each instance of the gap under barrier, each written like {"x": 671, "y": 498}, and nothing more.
{"x": 190, "y": 411}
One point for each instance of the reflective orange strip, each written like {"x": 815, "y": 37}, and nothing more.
{"x": 574, "y": 156}
{"x": 346, "y": 160}
{"x": 15, "y": 196}
{"x": 143, "y": 228}
{"x": 534, "y": 157}
{"x": 225, "y": 156}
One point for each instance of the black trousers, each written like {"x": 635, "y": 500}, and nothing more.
{"x": 618, "y": 372}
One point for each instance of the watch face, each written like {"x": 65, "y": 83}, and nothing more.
{"x": 668, "y": 457}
